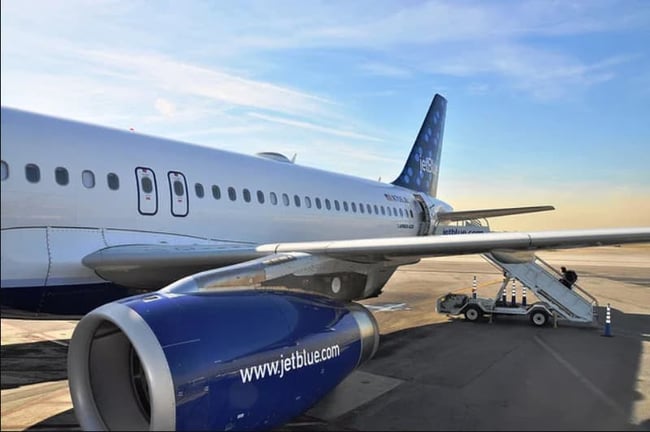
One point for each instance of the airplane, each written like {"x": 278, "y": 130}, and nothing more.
{"x": 245, "y": 268}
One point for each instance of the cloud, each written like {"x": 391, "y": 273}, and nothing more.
{"x": 386, "y": 70}
{"x": 97, "y": 85}
{"x": 164, "y": 107}
{"x": 476, "y": 88}
{"x": 72, "y": 95}
{"x": 363, "y": 160}
{"x": 315, "y": 127}
{"x": 483, "y": 40}
{"x": 170, "y": 75}
{"x": 544, "y": 74}
{"x": 389, "y": 24}
{"x": 461, "y": 39}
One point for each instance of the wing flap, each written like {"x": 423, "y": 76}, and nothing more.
{"x": 486, "y": 213}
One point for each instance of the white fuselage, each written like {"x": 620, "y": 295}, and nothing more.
{"x": 49, "y": 225}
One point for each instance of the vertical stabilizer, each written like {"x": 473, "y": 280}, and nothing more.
{"x": 420, "y": 172}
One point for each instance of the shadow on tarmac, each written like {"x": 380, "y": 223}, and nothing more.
{"x": 62, "y": 421}
{"x": 32, "y": 363}
{"x": 507, "y": 375}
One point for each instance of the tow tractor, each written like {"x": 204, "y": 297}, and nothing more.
{"x": 556, "y": 300}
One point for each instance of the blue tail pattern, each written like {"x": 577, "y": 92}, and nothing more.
{"x": 421, "y": 170}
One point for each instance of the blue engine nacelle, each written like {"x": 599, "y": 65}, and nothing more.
{"x": 218, "y": 361}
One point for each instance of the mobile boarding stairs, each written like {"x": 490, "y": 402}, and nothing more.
{"x": 556, "y": 300}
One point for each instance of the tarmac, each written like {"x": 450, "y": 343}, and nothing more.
{"x": 432, "y": 371}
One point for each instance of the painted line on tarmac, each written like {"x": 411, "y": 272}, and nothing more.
{"x": 388, "y": 307}
{"x": 591, "y": 386}
{"x": 57, "y": 342}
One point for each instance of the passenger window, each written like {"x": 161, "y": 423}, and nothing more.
{"x": 216, "y": 192}
{"x": 383, "y": 211}
{"x": 146, "y": 183}
{"x": 345, "y": 206}
{"x": 354, "y": 207}
{"x": 247, "y": 195}
{"x": 337, "y": 206}
{"x": 232, "y": 193}
{"x": 318, "y": 204}
{"x": 114, "y": 181}
{"x": 401, "y": 213}
{"x": 274, "y": 198}
{"x": 61, "y": 176}
{"x": 4, "y": 170}
{"x": 328, "y": 206}
{"x": 285, "y": 199}
{"x": 411, "y": 213}
{"x": 376, "y": 210}
{"x": 361, "y": 209}
{"x": 296, "y": 200}
{"x": 179, "y": 190}
{"x": 260, "y": 197}
{"x": 32, "y": 173}
{"x": 198, "y": 188}
{"x": 308, "y": 202}
{"x": 369, "y": 208}
{"x": 88, "y": 179}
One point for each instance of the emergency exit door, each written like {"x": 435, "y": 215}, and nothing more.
{"x": 147, "y": 191}
{"x": 178, "y": 193}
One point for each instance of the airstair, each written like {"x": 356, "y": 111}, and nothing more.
{"x": 575, "y": 305}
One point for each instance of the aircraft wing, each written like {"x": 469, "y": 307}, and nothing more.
{"x": 486, "y": 213}
{"x": 443, "y": 245}
{"x": 154, "y": 266}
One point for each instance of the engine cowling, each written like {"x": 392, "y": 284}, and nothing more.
{"x": 219, "y": 361}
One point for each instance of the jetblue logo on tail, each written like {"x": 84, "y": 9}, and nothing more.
{"x": 427, "y": 165}
{"x": 420, "y": 172}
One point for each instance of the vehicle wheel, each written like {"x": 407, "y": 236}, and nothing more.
{"x": 472, "y": 313}
{"x": 539, "y": 318}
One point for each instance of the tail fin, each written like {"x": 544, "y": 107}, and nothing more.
{"x": 421, "y": 170}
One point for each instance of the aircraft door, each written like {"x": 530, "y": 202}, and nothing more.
{"x": 425, "y": 216}
{"x": 178, "y": 193}
{"x": 147, "y": 191}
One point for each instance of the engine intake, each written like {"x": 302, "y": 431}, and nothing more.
{"x": 218, "y": 361}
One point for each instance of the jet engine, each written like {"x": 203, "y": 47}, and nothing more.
{"x": 233, "y": 360}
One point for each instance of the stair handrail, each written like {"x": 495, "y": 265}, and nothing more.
{"x": 492, "y": 260}
{"x": 593, "y": 299}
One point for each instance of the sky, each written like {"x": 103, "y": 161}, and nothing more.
{"x": 548, "y": 101}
